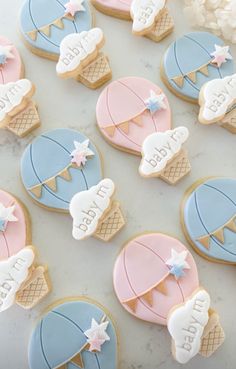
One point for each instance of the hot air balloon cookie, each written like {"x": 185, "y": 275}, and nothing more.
{"x": 80, "y": 58}
{"x": 22, "y": 281}
{"x": 193, "y": 60}
{"x": 74, "y": 333}
{"x": 133, "y": 115}
{"x": 156, "y": 280}
{"x": 61, "y": 170}
{"x": 151, "y": 18}
{"x": 44, "y": 23}
{"x": 208, "y": 218}
{"x": 11, "y": 65}
{"x": 217, "y": 102}
{"x": 18, "y": 113}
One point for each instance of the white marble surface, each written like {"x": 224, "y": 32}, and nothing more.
{"x": 149, "y": 205}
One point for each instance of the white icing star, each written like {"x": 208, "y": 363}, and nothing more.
{"x": 6, "y": 214}
{"x": 97, "y": 335}
{"x": 6, "y": 53}
{"x": 74, "y": 6}
{"x": 82, "y": 150}
{"x": 221, "y": 55}
{"x": 155, "y": 102}
{"x": 178, "y": 259}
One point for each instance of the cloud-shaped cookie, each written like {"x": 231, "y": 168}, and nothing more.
{"x": 76, "y": 49}
{"x": 12, "y": 95}
{"x": 159, "y": 148}
{"x": 13, "y": 272}
{"x": 144, "y": 13}
{"x": 216, "y": 97}
{"x": 186, "y": 325}
{"x": 88, "y": 207}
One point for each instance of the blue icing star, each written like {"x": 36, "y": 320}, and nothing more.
{"x": 3, "y": 59}
{"x": 2, "y": 225}
{"x": 153, "y": 106}
{"x": 177, "y": 271}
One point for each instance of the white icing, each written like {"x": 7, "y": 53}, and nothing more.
{"x": 76, "y": 47}
{"x": 13, "y": 272}
{"x": 97, "y": 335}
{"x": 144, "y": 13}
{"x": 186, "y": 324}
{"x": 159, "y": 148}
{"x": 7, "y": 213}
{"x": 12, "y": 95}
{"x": 87, "y": 208}
{"x": 217, "y": 96}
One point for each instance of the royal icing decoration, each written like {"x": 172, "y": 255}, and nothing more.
{"x": 185, "y": 76}
{"x": 87, "y": 208}
{"x": 81, "y": 152}
{"x": 155, "y": 102}
{"x": 186, "y": 325}
{"x": 178, "y": 263}
{"x": 97, "y": 335}
{"x": 6, "y": 53}
{"x": 217, "y": 96}
{"x": 144, "y": 13}
{"x": 6, "y": 215}
{"x": 13, "y": 272}
{"x": 221, "y": 55}
{"x": 74, "y": 6}
{"x": 76, "y": 48}
{"x": 160, "y": 148}
{"x": 12, "y": 95}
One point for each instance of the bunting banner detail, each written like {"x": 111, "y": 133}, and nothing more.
{"x": 46, "y": 30}
{"x": 52, "y": 182}
{"x": 124, "y": 126}
{"x": 147, "y": 296}
{"x": 192, "y": 75}
{"x": 218, "y": 233}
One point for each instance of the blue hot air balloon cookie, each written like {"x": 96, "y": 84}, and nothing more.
{"x": 44, "y": 23}
{"x": 72, "y": 335}
{"x": 209, "y": 218}
{"x": 61, "y": 170}
{"x": 194, "y": 59}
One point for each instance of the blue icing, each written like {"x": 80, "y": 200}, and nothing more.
{"x": 2, "y": 225}
{"x": 210, "y": 206}
{"x": 38, "y": 13}
{"x": 187, "y": 54}
{"x": 59, "y": 336}
{"x": 48, "y": 155}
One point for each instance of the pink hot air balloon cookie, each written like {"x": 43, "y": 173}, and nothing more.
{"x": 134, "y": 115}
{"x": 11, "y": 65}
{"x": 156, "y": 280}
{"x": 22, "y": 281}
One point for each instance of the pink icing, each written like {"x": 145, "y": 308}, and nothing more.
{"x": 12, "y": 70}
{"x": 118, "y": 5}
{"x": 141, "y": 265}
{"x": 123, "y": 100}
{"x": 13, "y": 239}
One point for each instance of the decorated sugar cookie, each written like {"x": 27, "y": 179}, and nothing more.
{"x": 217, "y": 102}
{"x": 21, "y": 280}
{"x": 150, "y": 18}
{"x": 74, "y": 333}
{"x": 193, "y": 60}
{"x": 133, "y": 114}
{"x": 44, "y": 23}
{"x": 80, "y": 58}
{"x": 156, "y": 280}
{"x": 11, "y": 65}
{"x": 208, "y": 218}
{"x": 61, "y": 170}
{"x": 18, "y": 113}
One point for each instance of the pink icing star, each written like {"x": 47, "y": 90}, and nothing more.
{"x": 79, "y": 158}
{"x": 221, "y": 55}
{"x": 95, "y": 344}
{"x": 74, "y": 6}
